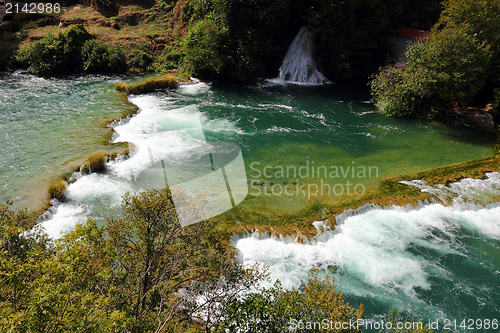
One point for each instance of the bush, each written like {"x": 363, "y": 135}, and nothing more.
{"x": 273, "y": 309}
{"x": 97, "y": 58}
{"x": 458, "y": 66}
{"x": 449, "y": 69}
{"x": 140, "y": 61}
{"x": 95, "y": 161}
{"x": 172, "y": 57}
{"x": 56, "y": 188}
{"x": 46, "y": 56}
{"x": 73, "y": 51}
{"x": 203, "y": 44}
{"x": 55, "y": 54}
{"x": 258, "y": 35}
{"x": 117, "y": 62}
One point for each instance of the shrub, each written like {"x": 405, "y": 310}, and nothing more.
{"x": 117, "y": 62}
{"x": 46, "y": 56}
{"x": 95, "y": 161}
{"x": 56, "y": 188}
{"x": 95, "y": 56}
{"x": 449, "y": 69}
{"x": 171, "y": 57}
{"x": 140, "y": 61}
{"x": 203, "y": 43}
{"x": 55, "y": 54}
{"x": 75, "y": 50}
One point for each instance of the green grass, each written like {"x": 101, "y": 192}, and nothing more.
{"x": 148, "y": 85}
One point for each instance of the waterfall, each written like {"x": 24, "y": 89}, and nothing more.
{"x": 299, "y": 65}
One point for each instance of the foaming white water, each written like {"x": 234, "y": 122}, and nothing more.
{"x": 64, "y": 219}
{"x": 98, "y": 188}
{"x": 193, "y": 89}
{"x": 298, "y": 65}
{"x": 161, "y": 130}
{"x": 388, "y": 255}
{"x": 465, "y": 190}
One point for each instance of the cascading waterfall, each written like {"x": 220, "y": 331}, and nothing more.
{"x": 299, "y": 65}
{"x": 436, "y": 262}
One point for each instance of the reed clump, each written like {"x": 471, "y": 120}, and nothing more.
{"x": 56, "y": 188}
{"x": 95, "y": 161}
{"x": 148, "y": 85}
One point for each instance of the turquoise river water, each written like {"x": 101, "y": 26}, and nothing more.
{"x": 436, "y": 262}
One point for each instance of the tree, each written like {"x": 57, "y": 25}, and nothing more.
{"x": 204, "y": 45}
{"x": 276, "y": 309}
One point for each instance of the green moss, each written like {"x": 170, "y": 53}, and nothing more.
{"x": 390, "y": 192}
{"x": 148, "y": 85}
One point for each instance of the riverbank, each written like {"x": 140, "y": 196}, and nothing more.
{"x": 116, "y": 150}
{"x": 51, "y": 127}
{"x": 390, "y": 192}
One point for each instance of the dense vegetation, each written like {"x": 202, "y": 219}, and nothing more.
{"x": 459, "y": 65}
{"x": 247, "y": 40}
{"x": 72, "y": 51}
{"x": 231, "y": 40}
{"x": 143, "y": 273}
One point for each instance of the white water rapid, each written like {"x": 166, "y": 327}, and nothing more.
{"x": 395, "y": 255}
{"x": 161, "y": 130}
{"x": 299, "y": 65}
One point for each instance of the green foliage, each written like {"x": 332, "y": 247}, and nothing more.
{"x": 55, "y": 54}
{"x": 140, "y": 61}
{"x": 97, "y": 58}
{"x": 259, "y": 33}
{"x": 194, "y": 10}
{"x": 94, "y": 56}
{"x": 459, "y": 62}
{"x": 482, "y": 20}
{"x": 350, "y": 36}
{"x": 56, "y": 188}
{"x": 46, "y": 56}
{"x": 272, "y": 310}
{"x": 449, "y": 69}
{"x": 202, "y": 45}
{"x": 73, "y": 51}
{"x": 171, "y": 57}
{"x": 127, "y": 277}
{"x": 13, "y": 242}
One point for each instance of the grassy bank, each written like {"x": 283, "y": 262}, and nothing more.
{"x": 94, "y": 162}
{"x": 169, "y": 81}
